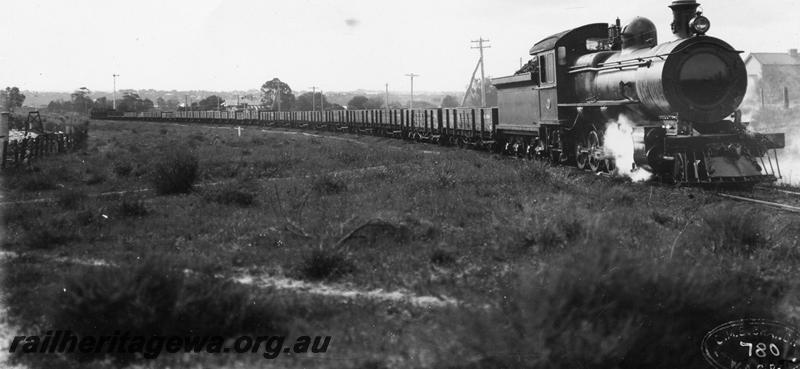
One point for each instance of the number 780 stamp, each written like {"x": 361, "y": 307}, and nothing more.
{"x": 752, "y": 344}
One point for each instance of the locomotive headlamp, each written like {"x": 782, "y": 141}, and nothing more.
{"x": 700, "y": 24}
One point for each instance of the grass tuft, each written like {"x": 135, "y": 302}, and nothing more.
{"x": 442, "y": 257}
{"x": 130, "y": 207}
{"x": 123, "y": 168}
{"x": 71, "y": 198}
{"x": 229, "y": 196}
{"x": 326, "y": 264}
{"x": 733, "y": 229}
{"x": 329, "y": 185}
{"x": 175, "y": 171}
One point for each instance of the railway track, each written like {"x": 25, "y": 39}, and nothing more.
{"x": 772, "y": 197}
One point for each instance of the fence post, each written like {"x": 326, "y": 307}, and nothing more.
{"x": 4, "y": 120}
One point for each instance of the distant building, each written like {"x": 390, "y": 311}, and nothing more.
{"x": 769, "y": 74}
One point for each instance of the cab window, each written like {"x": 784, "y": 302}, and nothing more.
{"x": 547, "y": 68}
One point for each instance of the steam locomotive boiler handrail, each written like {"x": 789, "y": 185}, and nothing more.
{"x": 601, "y": 103}
{"x": 641, "y": 61}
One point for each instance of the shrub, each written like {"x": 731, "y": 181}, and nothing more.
{"x": 175, "y": 171}
{"x": 95, "y": 177}
{"x": 197, "y": 137}
{"x": 123, "y": 168}
{"x": 156, "y": 297}
{"x": 326, "y": 264}
{"x": 600, "y": 307}
{"x": 442, "y": 257}
{"x": 71, "y": 198}
{"x": 43, "y": 236}
{"x": 558, "y": 232}
{"x": 37, "y": 181}
{"x": 661, "y": 218}
{"x": 230, "y": 196}
{"x": 733, "y": 229}
{"x": 80, "y": 134}
{"x": 130, "y": 207}
{"x": 329, "y": 185}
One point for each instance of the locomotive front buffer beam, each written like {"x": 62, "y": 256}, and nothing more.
{"x": 722, "y": 158}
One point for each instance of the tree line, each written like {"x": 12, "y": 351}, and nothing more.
{"x": 275, "y": 95}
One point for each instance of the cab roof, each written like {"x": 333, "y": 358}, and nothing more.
{"x": 576, "y": 34}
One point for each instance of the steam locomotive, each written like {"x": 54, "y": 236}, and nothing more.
{"x": 678, "y": 101}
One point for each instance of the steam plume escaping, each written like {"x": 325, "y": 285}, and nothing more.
{"x": 619, "y": 146}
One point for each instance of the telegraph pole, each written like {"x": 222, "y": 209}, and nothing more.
{"x": 114, "y": 101}
{"x": 411, "y": 103}
{"x": 321, "y": 101}
{"x": 480, "y": 46}
{"x": 387, "y": 96}
{"x": 313, "y": 96}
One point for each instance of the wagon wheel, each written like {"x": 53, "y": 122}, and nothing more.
{"x": 582, "y": 153}
{"x": 539, "y": 151}
{"x": 595, "y": 151}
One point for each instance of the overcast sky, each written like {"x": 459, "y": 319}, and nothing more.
{"x": 336, "y": 45}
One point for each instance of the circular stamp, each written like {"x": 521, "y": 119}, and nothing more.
{"x": 752, "y": 344}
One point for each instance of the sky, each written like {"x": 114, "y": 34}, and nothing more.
{"x": 340, "y": 45}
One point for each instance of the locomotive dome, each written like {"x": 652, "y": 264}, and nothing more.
{"x": 639, "y": 33}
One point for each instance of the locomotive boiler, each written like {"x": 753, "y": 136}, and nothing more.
{"x": 678, "y": 100}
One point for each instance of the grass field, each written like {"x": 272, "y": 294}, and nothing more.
{"x": 536, "y": 266}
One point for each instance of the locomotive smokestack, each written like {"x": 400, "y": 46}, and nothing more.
{"x": 682, "y": 12}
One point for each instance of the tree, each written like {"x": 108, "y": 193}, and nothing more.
{"x": 11, "y": 98}
{"x": 161, "y": 103}
{"x": 474, "y": 98}
{"x": 374, "y": 103}
{"x": 271, "y": 89}
{"x": 449, "y": 101}
{"x": 59, "y": 106}
{"x": 212, "y": 102}
{"x": 81, "y": 100}
{"x": 418, "y": 104}
{"x": 172, "y": 104}
{"x": 357, "y": 103}
{"x": 101, "y": 104}
{"x": 131, "y": 102}
{"x": 305, "y": 101}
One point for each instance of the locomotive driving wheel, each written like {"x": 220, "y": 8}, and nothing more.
{"x": 582, "y": 153}
{"x": 610, "y": 165}
{"x": 595, "y": 152}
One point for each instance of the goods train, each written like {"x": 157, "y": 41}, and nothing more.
{"x": 678, "y": 101}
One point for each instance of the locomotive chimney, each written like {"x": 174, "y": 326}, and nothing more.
{"x": 682, "y": 12}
